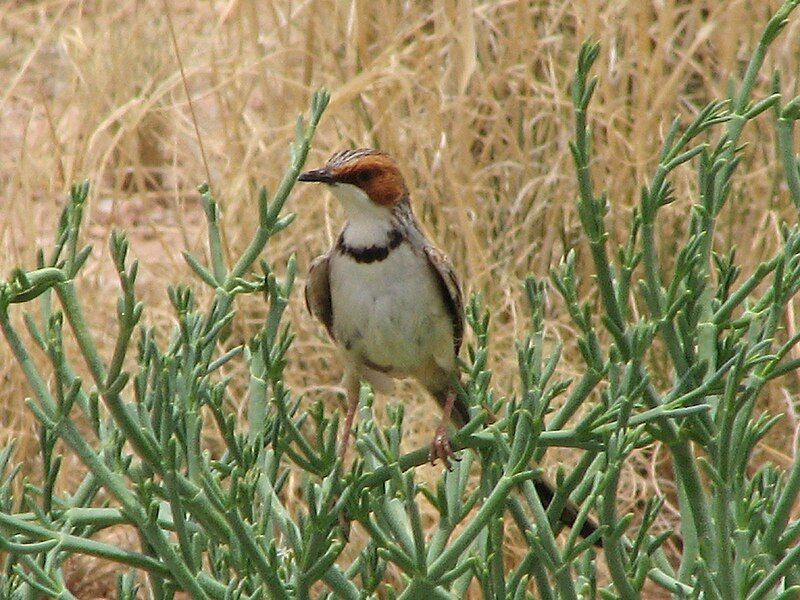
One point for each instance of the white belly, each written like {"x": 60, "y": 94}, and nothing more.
{"x": 390, "y": 313}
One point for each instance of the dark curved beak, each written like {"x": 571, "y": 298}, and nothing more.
{"x": 317, "y": 176}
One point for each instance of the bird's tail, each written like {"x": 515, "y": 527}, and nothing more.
{"x": 460, "y": 417}
{"x": 460, "y": 414}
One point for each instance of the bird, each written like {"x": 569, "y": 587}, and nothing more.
{"x": 390, "y": 299}
{"x": 387, "y": 296}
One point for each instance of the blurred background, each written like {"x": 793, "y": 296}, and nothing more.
{"x": 471, "y": 97}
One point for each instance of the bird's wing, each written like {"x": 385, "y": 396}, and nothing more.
{"x": 450, "y": 289}
{"x": 318, "y": 291}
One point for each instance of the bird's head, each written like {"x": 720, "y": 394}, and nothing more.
{"x": 364, "y": 180}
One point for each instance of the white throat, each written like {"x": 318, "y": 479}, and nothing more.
{"x": 367, "y": 223}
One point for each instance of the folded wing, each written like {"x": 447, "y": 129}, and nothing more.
{"x": 318, "y": 292}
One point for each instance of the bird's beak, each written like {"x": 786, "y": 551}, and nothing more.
{"x": 317, "y": 175}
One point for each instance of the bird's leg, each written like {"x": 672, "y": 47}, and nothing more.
{"x": 440, "y": 446}
{"x": 353, "y": 387}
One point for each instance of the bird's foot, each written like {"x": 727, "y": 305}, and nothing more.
{"x": 440, "y": 448}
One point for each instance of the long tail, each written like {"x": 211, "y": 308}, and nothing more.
{"x": 460, "y": 417}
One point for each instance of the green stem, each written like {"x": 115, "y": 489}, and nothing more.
{"x": 574, "y": 401}
{"x": 268, "y": 572}
{"x": 463, "y": 440}
{"x": 299, "y": 154}
{"x": 655, "y": 300}
{"x": 563, "y": 575}
{"x": 724, "y": 559}
{"x": 786, "y": 566}
{"x": 611, "y": 540}
{"x": 145, "y": 444}
{"x": 342, "y": 587}
{"x": 783, "y": 508}
{"x": 490, "y": 507}
{"x": 13, "y": 525}
{"x": 785, "y": 128}
{"x": 113, "y": 483}
{"x": 74, "y": 314}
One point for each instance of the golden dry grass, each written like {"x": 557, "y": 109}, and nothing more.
{"x": 471, "y": 97}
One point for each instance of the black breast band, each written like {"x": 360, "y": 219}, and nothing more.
{"x": 369, "y": 254}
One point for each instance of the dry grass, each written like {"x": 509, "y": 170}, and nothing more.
{"x": 471, "y": 97}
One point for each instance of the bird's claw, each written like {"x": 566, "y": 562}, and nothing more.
{"x": 440, "y": 448}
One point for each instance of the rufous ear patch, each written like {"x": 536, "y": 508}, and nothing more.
{"x": 377, "y": 175}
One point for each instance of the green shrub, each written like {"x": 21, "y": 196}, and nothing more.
{"x": 221, "y": 525}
